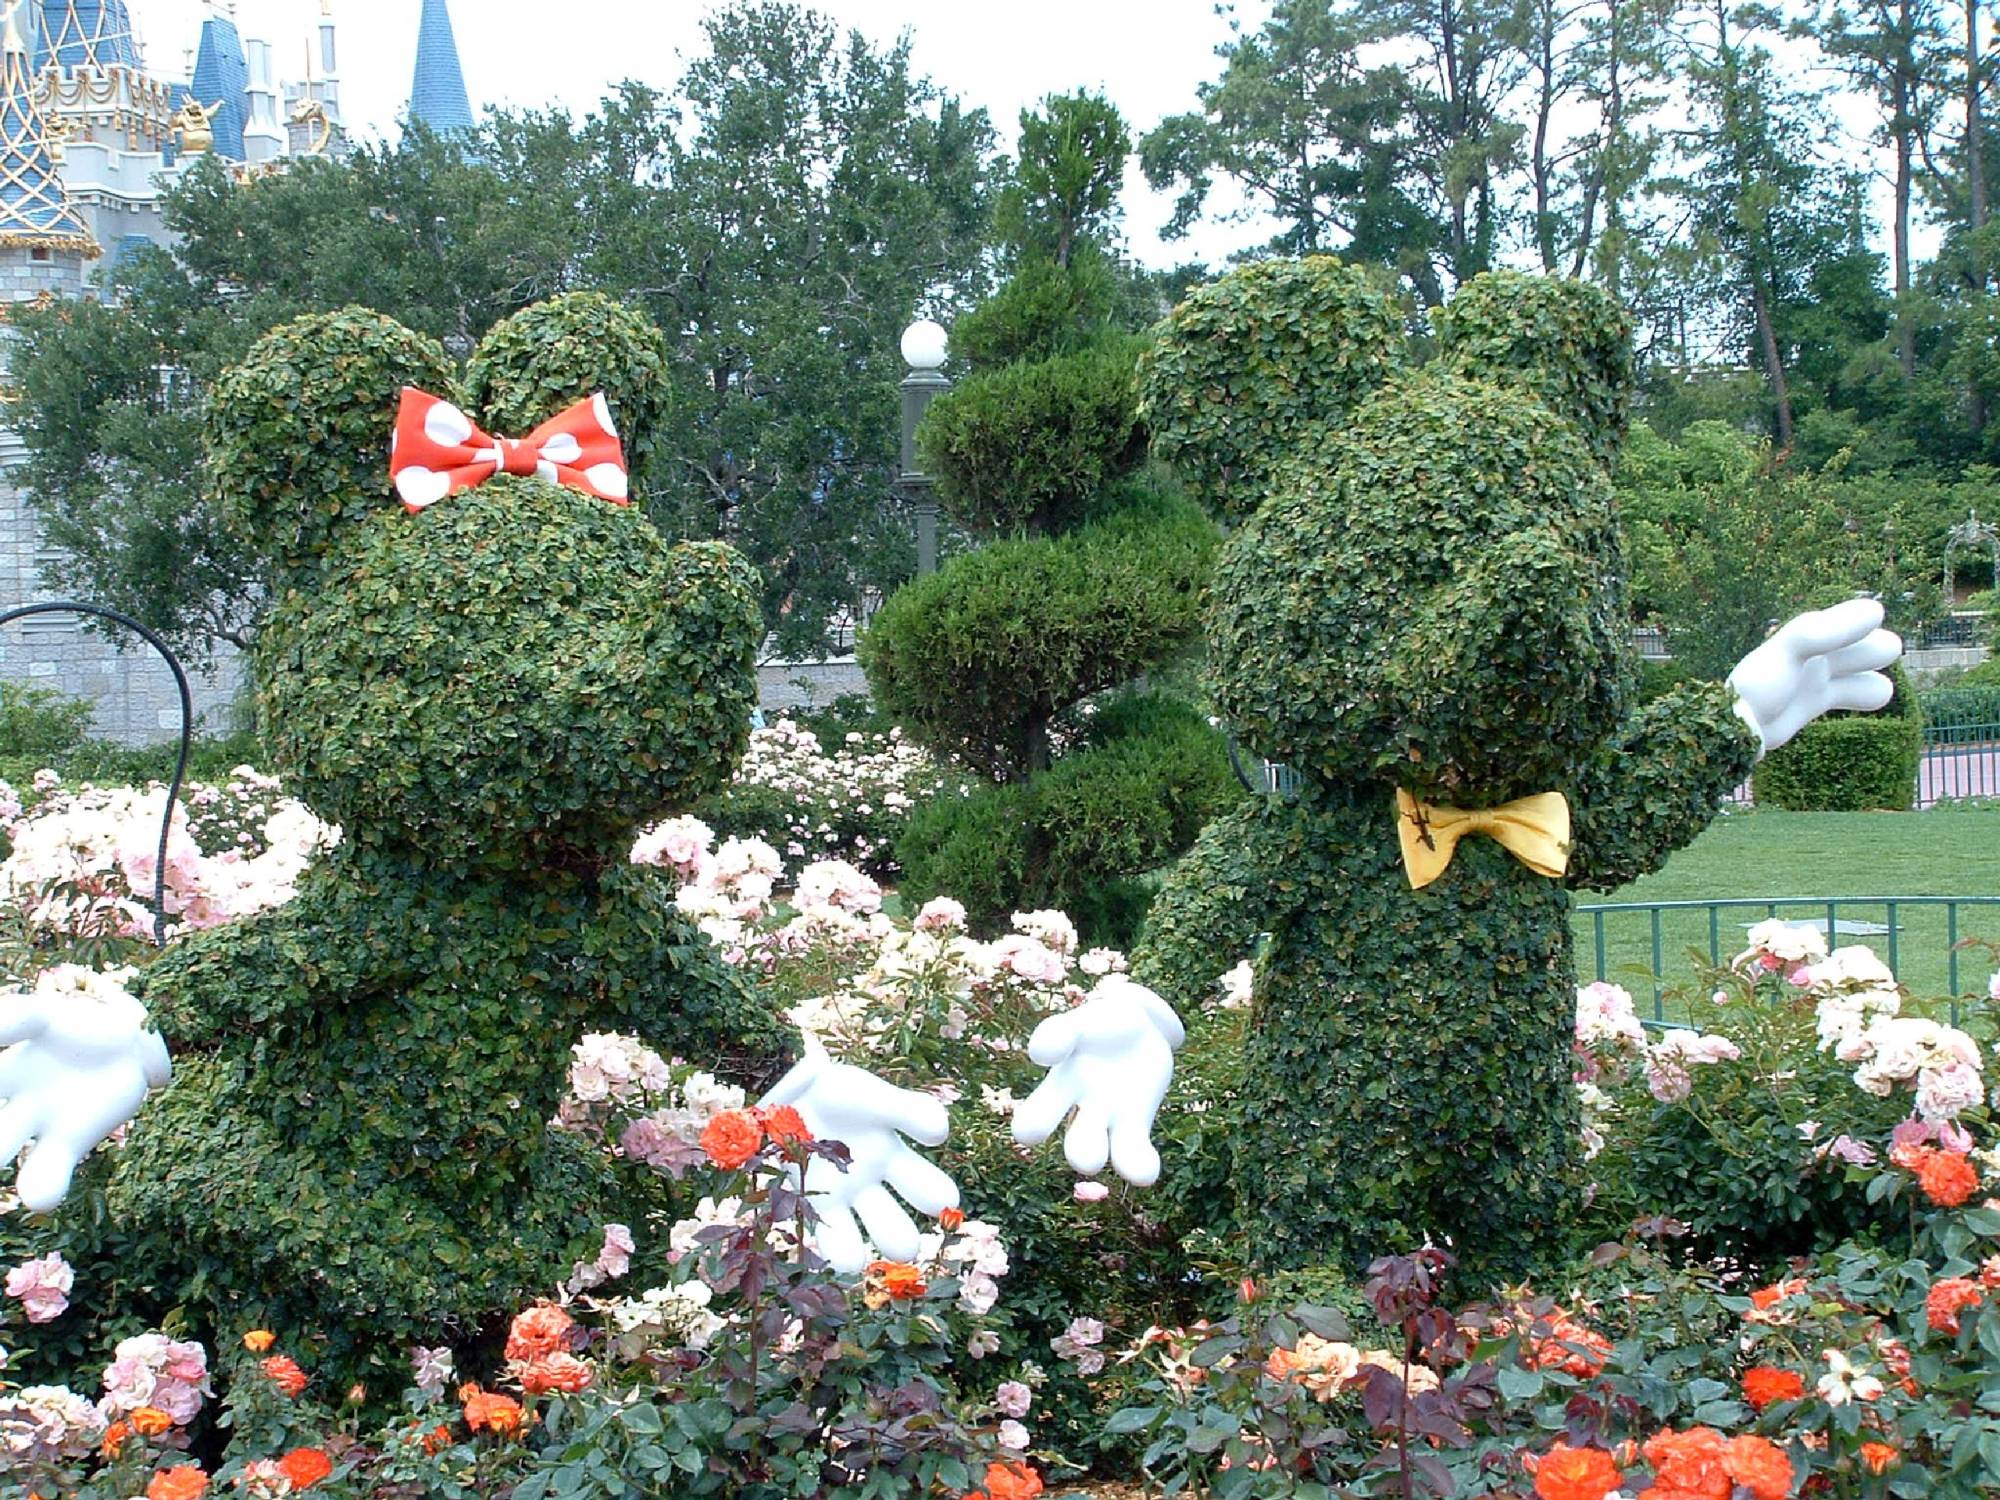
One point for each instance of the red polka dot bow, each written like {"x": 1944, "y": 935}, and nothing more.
{"x": 438, "y": 452}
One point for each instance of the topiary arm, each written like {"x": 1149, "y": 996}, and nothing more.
{"x": 1238, "y": 882}
{"x": 1657, "y": 785}
{"x": 259, "y": 973}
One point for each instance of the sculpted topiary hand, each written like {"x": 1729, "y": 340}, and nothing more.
{"x": 1110, "y": 1060}
{"x": 840, "y": 1102}
{"x": 78, "y": 1068}
{"x": 1828, "y": 659}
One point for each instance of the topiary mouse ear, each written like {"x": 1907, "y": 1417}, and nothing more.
{"x": 548, "y": 356}
{"x": 1567, "y": 340}
{"x": 1253, "y": 369}
{"x": 299, "y": 432}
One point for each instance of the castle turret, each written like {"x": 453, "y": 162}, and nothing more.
{"x": 43, "y": 240}
{"x": 437, "y": 92}
{"x": 88, "y": 34}
{"x": 222, "y": 84}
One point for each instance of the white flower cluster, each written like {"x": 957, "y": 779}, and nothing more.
{"x": 678, "y": 1315}
{"x": 85, "y": 862}
{"x": 852, "y": 803}
{"x": 1858, "y": 1016}
{"x": 1669, "y": 1061}
{"x": 41, "y": 1425}
{"x": 1778, "y": 945}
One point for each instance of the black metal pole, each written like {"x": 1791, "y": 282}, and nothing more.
{"x": 70, "y": 607}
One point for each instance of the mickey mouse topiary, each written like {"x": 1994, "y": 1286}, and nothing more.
{"x": 489, "y": 696}
{"x": 1424, "y": 616}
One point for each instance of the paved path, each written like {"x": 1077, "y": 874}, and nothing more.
{"x": 1959, "y": 771}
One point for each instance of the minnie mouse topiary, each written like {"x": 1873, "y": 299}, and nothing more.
{"x": 489, "y": 687}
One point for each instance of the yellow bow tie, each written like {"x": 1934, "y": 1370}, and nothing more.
{"x": 1535, "y": 828}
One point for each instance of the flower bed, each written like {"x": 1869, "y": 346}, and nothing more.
{"x": 1773, "y": 1310}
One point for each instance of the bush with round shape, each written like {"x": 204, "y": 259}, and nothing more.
{"x": 1849, "y": 762}
{"x": 1086, "y": 837}
{"x": 1262, "y": 365}
{"x": 490, "y": 697}
{"x": 1428, "y": 598}
{"x": 1032, "y": 445}
{"x": 978, "y": 659}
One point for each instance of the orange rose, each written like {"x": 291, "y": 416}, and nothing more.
{"x": 150, "y": 1421}
{"x": 731, "y": 1138}
{"x": 1759, "y": 1466}
{"x": 259, "y": 1340}
{"x": 488, "y": 1411}
{"x": 284, "y": 1373}
{"x": 305, "y": 1467}
{"x": 1571, "y": 1348}
{"x": 1766, "y": 1297}
{"x": 554, "y": 1372}
{"x": 1949, "y": 1297}
{"x": 1689, "y": 1463}
{"x": 902, "y": 1282}
{"x": 1877, "y": 1457}
{"x": 1567, "y": 1473}
{"x": 785, "y": 1125}
{"x": 182, "y": 1482}
{"x": 1948, "y": 1179}
{"x": 115, "y": 1438}
{"x": 538, "y": 1332}
{"x": 951, "y": 1218}
{"x": 1767, "y": 1385}
{"x": 437, "y": 1439}
{"x": 1008, "y": 1482}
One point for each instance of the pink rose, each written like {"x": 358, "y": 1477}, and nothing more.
{"x": 1013, "y": 1398}
{"x": 1091, "y": 1192}
{"x": 42, "y": 1287}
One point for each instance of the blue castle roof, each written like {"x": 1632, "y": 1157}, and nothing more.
{"x": 35, "y": 211}
{"x": 222, "y": 76}
{"x": 437, "y": 92}
{"x": 83, "y": 34}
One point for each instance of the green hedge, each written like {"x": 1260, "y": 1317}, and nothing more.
{"x": 1849, "y": 762}
{"x": 1087, "y": 836}
{"x": 1045, "y": 308}
{"x": 1030, "y": 446}
{"x": 1964, "y": 702}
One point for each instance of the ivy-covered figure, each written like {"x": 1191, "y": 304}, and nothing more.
{"x": 489, "y": 688}
{"x": 1422, "y": 613}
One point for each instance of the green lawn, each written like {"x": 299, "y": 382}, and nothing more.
{"x": 1767, "y": 855}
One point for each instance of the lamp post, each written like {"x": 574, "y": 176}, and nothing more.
{"x": 924, "y": 349}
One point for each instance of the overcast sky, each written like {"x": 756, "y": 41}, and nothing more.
{"x": 1146, "y": 55}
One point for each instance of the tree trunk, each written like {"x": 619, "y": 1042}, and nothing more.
{"x": 1774, "y": 363}
{"x": 1975, "y": 172}
{"x": 1545, "y": 103}
{"x": 1904, "y": 127}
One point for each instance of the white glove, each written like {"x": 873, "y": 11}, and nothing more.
{"x": 840, "y": 1102}
{"x": 1828, "y": 659}
{"x": 79, "y": 1066}
{"x": 1110, "y": 1060}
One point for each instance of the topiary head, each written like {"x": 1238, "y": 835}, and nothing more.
{"x": 517, "y": 674}
{"x": 1431, "y": 594}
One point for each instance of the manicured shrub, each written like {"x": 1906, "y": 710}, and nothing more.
{"x": 1962, "y": 704}
{"x": 1260, "y": 367}
{"x": 1085, "y": 837}
{"x": 1849, "y": 762}
{"x": 1032, "y": 445}
{"x": 977, "y": 660}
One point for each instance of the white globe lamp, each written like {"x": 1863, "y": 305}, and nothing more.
{"x": 925, "y": 345}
